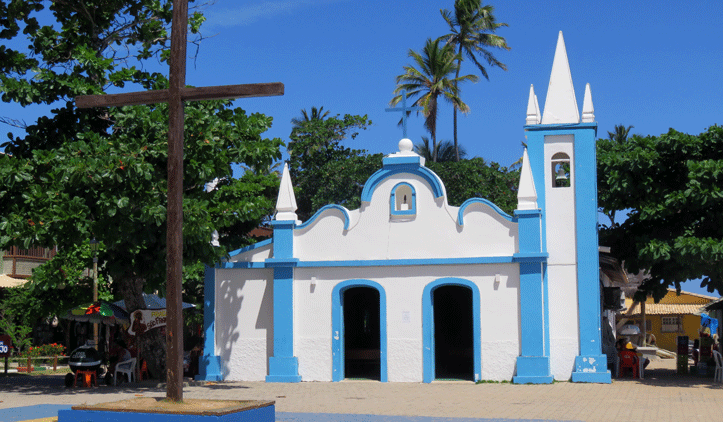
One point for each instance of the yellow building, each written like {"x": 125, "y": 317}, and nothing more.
{"x": 675, "y": 315}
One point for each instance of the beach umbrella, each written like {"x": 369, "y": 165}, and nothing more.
{"x": 99, "y": 313}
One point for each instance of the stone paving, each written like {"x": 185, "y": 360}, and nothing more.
{"x": 661, "y": 396}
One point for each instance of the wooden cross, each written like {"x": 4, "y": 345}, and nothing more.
{"x": 175, "y": 95}
{"x": 405, "y": 112}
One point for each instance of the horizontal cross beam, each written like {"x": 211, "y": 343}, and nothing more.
{"x": 225, "y": 92}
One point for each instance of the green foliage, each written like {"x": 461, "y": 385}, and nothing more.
{"x": 86, "y": 48}
{"x": 19, "y": 333}
{"x": 475, "y": 178}
{"x": 671, "y": 189}
{"x": 113, "y": 187}
{"x": 325, "y": 171}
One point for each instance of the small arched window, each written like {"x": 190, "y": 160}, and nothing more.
{"x": 403, "y": 200}
{"x": 560, "y": 170}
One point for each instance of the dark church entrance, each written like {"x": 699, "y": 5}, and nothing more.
{"x": 361, "y": 333}
{"x": 453, "y": 333}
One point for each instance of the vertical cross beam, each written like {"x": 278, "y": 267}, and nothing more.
{"x": 405, "y": 112}
{"x": 174, "y": 224}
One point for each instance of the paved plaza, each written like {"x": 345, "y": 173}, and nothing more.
{"x": 661, "y": 396}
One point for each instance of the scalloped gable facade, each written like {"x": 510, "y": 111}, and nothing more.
{"x": 276, "y": 311}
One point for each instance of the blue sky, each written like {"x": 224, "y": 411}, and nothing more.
{"x": 654, "y": 65}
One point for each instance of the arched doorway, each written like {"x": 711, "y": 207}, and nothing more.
{"x": 453, "y": 344}
{"x": 359, "y": 331}
{"x": 451, "y": 326}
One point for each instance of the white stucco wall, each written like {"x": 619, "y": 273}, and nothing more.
{"x": 404, "y": 288}
{"x": 432, "y": 233}
{"x": 560, "y": 204}
{"x": 243, "y": 322}
{"x": 564, "y": 327}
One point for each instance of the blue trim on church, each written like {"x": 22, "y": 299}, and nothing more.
{"x": 283, "y": 365}
{"x": 591, "y": 364}
{"x": 209, "y": 365}
{"x": 428, "y": 349}
{"x": 271, "y": 262}
{"x": 337, "y": 327}
{"x": 405, "y": 164}
{"x": 483, "y": 201}
{"x": 533, "y": 364}
{"x": 393, "y": 201}
{"x": 344, "y": 213}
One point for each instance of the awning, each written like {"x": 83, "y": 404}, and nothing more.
{"x": 7, "y": 281}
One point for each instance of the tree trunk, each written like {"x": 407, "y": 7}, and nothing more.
{"x": 151, "y": 345}
{"x": 459, "y": 65}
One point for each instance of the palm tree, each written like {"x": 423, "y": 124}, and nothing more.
{"x": 621, "y": 133}
{"x": 473, "y": 27}
{"x": 430, "y": 81}
{"x": 445, "y": 151}
{"x": 316, "y": 114}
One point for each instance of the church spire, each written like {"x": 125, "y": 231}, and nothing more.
{"x": 286, "y": 202}
{"x": 588, "y": 111}
{"x": 560, "y": 103}
{"x": 526, "y": 193}
{"x": 533, "y": 110}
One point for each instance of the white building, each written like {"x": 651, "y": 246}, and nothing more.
{"x": 408, "y": 288}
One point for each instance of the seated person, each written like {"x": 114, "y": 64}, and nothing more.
{"x": 119, "y": 354}
{"x": 624, "y": 344}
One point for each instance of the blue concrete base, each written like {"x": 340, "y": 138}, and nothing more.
{"x": 283, "y": 369}
{"x": 533, "y": 370}
{"x": 258, "y": 414}
{"x": 591, "y": 369}
{"x": 209, "y": 368}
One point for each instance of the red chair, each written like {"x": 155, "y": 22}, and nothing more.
{"x": 628, "y": 360}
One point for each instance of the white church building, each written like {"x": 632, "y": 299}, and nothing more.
{"x": 410, "y": 289}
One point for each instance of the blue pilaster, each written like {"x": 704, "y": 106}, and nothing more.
{"x": 283, "y": 365}
{"x": 209, "y": 366}
{"x": 533, "y": 364}
{"x": 591, "y": 365}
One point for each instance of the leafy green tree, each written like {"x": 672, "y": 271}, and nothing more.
{"x": 316, "y": 114}
{"x": 87, "y": 48}
{"x": 325, "y": 171}
{"x": 472, "y": 27}
{"x": 101, "y": 172}
{"x": 474, "y": 178}
{"x": 445, "y": 151}
{"x": 113, "y": 187}
{"x": 430, "y": 81}
{"x": 671, "y": 189}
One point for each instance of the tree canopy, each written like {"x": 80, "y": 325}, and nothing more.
{"x": 101, "y": 172}
{"x": 670, "y": 188}
{"x": 324, "y": 170}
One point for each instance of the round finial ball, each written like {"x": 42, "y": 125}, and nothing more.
{"x": 406, "y": 145}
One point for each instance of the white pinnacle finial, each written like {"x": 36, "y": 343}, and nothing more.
{"x": 560, "y": 104}
{"x": 588, "y": 111}
{"x": 286, "y": 202}
{"x": 533, "y": 111}
{"x": 526, "y": 193}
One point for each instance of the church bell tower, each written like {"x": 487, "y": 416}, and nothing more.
{"x": 561, "y": 147}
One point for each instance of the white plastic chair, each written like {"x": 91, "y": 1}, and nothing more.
{"x": 718, "y": 366}
{"x": 127, "y": 367}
